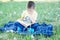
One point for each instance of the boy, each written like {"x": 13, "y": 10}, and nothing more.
{"x": 28, "y": 18}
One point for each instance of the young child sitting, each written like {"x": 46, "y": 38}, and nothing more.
{"x": 29, "y": 16}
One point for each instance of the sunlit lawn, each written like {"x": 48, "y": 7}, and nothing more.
{"x": 47, "y": 12}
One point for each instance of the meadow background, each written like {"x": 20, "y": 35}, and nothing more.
{"x": 48, "y": 12}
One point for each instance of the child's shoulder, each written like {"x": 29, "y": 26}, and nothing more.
{"x": 24, "y": 12}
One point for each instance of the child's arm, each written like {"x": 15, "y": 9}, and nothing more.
{"x": 33, "y": 19}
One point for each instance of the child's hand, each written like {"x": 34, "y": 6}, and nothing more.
{"x": 23, "y": 23}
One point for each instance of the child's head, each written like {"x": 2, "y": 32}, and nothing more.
{"x": 31, "y": 5}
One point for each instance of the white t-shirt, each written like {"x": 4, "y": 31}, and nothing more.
{"x": 27, "y": 18}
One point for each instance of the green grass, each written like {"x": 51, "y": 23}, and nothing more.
{"x": 47, "y": 12}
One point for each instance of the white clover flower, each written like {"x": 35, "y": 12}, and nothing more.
{"x": 32, "y": 37}
{"x": 14, "y": 38}
{"x": 1, "y": 12}
{"x": 14, "y": 12}
{"x": 11, "y": 31}
{"x": 58, "y": 15}
{"x": 7, "y": 31}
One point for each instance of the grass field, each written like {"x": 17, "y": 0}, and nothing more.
{"x": 48, "y": 12}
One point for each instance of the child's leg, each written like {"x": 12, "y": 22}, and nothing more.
{"x": 19, "y": 26}
{"x": 34, "y": 26}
